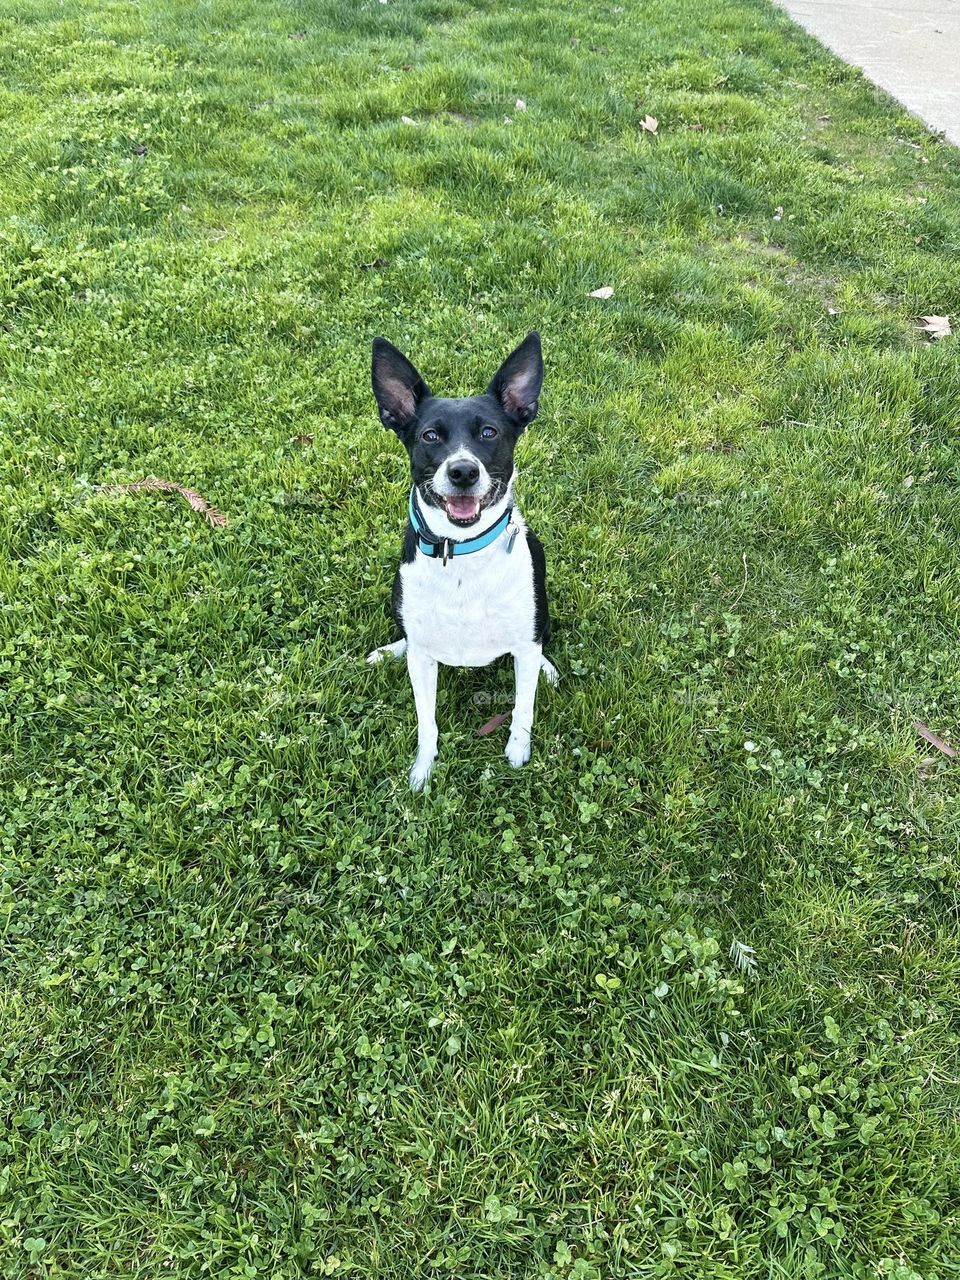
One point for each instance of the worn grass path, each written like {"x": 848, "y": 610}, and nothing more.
{"x": 264, "y": 1014}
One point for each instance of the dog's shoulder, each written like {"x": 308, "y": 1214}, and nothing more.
{"x": 541, "y": 619}
{"x": 407, "y": 556}
{"x": 409, "y": 544}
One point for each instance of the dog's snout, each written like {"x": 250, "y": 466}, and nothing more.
{"x": 463, "y": 473}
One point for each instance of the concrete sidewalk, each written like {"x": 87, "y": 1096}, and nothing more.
{"x": 911, "y": 48}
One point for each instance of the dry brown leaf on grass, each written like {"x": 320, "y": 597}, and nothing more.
{"x": 493, "y": 724}
{"x": 649, "y": 124}
{"x": 935, "y": 741}
{"x": 152, "y": 485}
{"x": 935, "y": 326}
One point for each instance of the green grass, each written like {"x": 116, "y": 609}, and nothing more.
{"x": 264, "y": 1013}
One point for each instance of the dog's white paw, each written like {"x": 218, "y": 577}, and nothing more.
{"x": 396, "y": 650}
{"x": 421, "y": 770}
{"x": 518, "y": 750}
{"x": 551, "y": 672}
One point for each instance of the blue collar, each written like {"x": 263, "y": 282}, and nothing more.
{"x": 443, "y": 548}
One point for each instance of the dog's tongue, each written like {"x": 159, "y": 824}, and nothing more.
{"x": 463, "y": 508}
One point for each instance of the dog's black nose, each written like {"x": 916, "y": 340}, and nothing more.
{"x": 463, "y": 473}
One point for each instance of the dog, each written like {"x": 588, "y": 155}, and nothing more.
{"x": 471, "y": 585}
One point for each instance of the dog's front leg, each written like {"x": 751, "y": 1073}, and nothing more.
{"x": 423, "y": 677}
{"x": 526, "y": 664}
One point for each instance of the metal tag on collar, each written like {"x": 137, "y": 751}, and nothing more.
{"x": 512, "y": 532}
{"x": 447, "y": 550}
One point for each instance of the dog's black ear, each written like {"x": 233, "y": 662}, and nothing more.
{"x": 517, "y": 382}
{"x": 398, "y": 387}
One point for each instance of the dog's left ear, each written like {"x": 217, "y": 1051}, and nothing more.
{"x": 517, "y": 382}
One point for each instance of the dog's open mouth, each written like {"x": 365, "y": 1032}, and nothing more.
{"x": 463, "y": 510}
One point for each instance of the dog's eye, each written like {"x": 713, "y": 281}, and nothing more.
{"x": 489, "y": 433}
{"x": 430, "y": 436}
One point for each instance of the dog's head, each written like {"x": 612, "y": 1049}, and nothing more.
{"x": 461, "y": 450}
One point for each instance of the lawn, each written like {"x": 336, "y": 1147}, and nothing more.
{"x": 264, "y": 1013}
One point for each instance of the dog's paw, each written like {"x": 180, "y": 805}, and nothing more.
{"x": 421, "y": 770}
{"x": 551, "y": 672}
{"x": 396, "y": 650}
{"x": 518, "y": 750}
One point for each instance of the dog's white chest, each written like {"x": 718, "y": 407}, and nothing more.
{"x": 474, "y": 608}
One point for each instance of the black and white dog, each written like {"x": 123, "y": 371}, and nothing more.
{"x": 472, "y": 580}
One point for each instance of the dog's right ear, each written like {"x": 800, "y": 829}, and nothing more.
{"x": 397, "y": 385}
